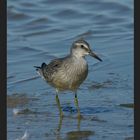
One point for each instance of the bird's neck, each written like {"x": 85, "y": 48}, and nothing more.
{"x": 79, "y": 60}
{"x": 77, "y": 56}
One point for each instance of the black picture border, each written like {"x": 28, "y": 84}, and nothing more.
{"x": 136, "y": 70}
{"x": 3, "y": 69}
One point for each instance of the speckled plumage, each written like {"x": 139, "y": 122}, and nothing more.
{"x": 65, "y": 73}
{"x": 69, "y": 72}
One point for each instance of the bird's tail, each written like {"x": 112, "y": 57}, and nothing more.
{"x": 40, "y": 69}
{"x": 42, "y": 66}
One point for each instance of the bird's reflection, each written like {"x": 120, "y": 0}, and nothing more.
{"x": 73, "y": 135}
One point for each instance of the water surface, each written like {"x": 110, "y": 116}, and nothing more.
{"x": 41, "y": 30}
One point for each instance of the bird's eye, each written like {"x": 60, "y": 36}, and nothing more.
{"x": 55, "y": 65}
{"x": 82, "y": 46}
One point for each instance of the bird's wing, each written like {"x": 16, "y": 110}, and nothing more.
{"x": 54, "y": 64}
{"x": 51, "y": 68}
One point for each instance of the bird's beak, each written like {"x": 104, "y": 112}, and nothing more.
{"x": 94, "y": 55}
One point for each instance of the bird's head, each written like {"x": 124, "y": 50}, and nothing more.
{"x": 81, "y": 48}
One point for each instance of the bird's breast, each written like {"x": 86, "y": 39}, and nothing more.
{"x": 71, "y": 75}
{"x": 79, "y": 73}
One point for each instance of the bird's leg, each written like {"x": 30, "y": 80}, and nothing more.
{"x": 58, "y": 105}
{"x": 60, "y": 124}
{"x": 77, "y": 105}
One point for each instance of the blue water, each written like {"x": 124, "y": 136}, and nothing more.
{"x": 41, "y": 30}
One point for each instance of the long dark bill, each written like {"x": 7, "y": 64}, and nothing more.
{"x": 95, "y": 56}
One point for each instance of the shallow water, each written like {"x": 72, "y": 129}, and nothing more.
{"x": 41, "y": 30}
